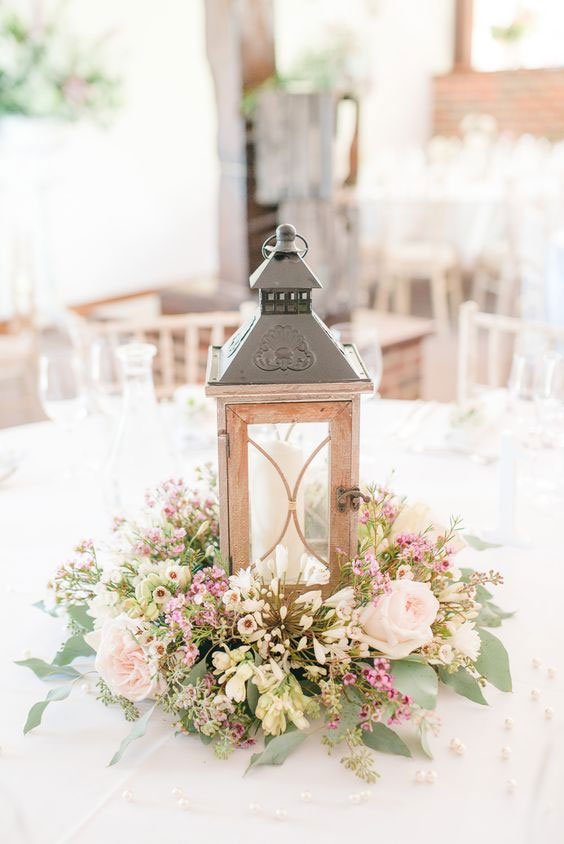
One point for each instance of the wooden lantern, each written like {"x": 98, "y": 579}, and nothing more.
{"x": 288, "y": 409}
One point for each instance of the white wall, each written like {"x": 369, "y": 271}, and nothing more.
{"x": 137, "y": 207}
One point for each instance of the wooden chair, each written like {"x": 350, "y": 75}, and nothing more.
{"x": 182, "y": 342}
{"x": 487, "y": 343}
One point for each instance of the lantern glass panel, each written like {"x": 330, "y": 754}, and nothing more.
{"x": 289, "y": 491}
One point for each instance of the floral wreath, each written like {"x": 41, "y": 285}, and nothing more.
{"x": 228, "y": 656}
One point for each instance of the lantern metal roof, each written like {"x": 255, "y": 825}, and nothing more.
{"x": 285, "y": 342}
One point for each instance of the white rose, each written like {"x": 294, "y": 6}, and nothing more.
{"x": 465, "y": 640}
{"x": 121, "y": 661}
{"x": 416, "y": 518}
{"x": 401, "y": 621}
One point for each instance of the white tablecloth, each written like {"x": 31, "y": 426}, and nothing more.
{"x": 55, "y": 785}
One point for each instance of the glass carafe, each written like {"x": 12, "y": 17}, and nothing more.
{"x": 141, "y": 456}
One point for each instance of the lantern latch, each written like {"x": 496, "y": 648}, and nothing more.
{"x": 352, "y": 497}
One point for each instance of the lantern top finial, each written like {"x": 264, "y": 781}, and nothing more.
{"x": 284, "y": 342}
{"x": 285, "y": 238}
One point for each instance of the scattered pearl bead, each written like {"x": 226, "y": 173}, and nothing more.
{"x": 280, "y": 814}
{"x": 511, "y": 785}
{"x": 365, "y": 795}
{"x": 306, "y": 796}
{"x": 254, "y": 808}
{"x": 508, "y": 723}
{"x": 419, "y": 776}
{"x": 505, "y": 752}
{"x": 355, "y": 799}
{"x": 551, "y": 671}
{"x": 127, "y": 795}
{"x": 177, "y": 792}
{"x": 548, "y": 713}
{"x": 84, "y": 687}
{"x": 183, "y": 804}
{"x": 27, "y": 654}
{"x": 431, "y": 776}
{"x": 535, "y": 694}
{"x": 457, "y": 746}
{"x": 535, "y": 662}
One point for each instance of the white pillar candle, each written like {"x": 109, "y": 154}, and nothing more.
{"x": 269, "y": 502}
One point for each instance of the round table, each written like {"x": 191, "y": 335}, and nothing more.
{"x": 55, "y": 785}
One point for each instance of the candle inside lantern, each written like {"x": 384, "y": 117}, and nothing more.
{"x": 269, "y": 504}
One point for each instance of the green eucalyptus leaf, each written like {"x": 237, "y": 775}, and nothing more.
{"x": 463, "y": 684}
{"x": 44, "y": 669}
{"x": 483, "y": 595}
{"x": 41, "y": 605}
{"x": 36, "y": 712}
{"x": 493, "y": 661}
{"x": 197, "y": 672}
{"x": 137, "y": 731}
{"x": 383, "y": 739}
{"x": 73, "y": 648}
{"x": 416, "y": 679}
{"x": 79, "y": 614}
{"x": 278, "y": 749}
{"x": 424, "y": 742}
{"x": 252, "y": 696}
{"x": 479, "y": 544}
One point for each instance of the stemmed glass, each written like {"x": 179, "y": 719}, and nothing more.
{"x": 62, "y": 395}
{"x": 106, "y": 377}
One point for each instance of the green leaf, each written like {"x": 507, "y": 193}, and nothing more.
{"x": 41, "y": 605}
{"x": 491, "y": 615}
{"x": 278, "y": 749}
{"x": 252, "y": 696}
{"x": 493, "y": 661}
{"x": 424, "y": 741}
{"x": 479, "y": 544}
{"x": 36, "y": 712}
{"x": 197, "y": 672}
{"x": 72, "y": 648}
{"x": 463, "y": 684}
{"x": 416, "y": 679}
{"x": 44, "y": 669}
{"x": 385, "y": 740}
{"x": 79, "y": 615}
{"x": 137, "y": 731}
{"x": 482, "y": 594}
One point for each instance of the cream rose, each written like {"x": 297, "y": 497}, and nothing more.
{"x": 416, "y": 518}
{"x": 121, "y": 662}
{"x": 401, "y": 621}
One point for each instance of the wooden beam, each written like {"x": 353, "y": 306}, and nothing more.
{"x": 463, "y": 21}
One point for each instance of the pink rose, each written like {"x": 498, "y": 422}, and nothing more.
{"x": 121, "y": 662}
{"x": 401, "y": 621}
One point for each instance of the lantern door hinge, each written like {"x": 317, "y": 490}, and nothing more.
{"x": 351, "y": 497}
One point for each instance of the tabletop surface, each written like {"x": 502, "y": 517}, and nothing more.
{"x": 55, "y": 785}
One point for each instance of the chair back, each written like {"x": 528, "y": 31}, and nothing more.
{"x": 182, "y": 342}
{"x": 487, "y": 343}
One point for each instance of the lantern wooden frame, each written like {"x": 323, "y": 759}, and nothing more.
{"x": 239, "y": 406}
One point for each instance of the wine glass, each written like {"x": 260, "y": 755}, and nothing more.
{"x": 62, "y": 394}
{"x": 550, "y": 400}
{"x": 522, "y": 387}
{"x": 106, "y": 377}
{"x": 365, "y": 338}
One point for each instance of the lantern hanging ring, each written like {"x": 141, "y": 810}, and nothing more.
{"x": 267, "y": 250}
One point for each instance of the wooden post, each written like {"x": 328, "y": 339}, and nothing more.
{"x": 240, "y": 49}
{"x": 463, "y": 17}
